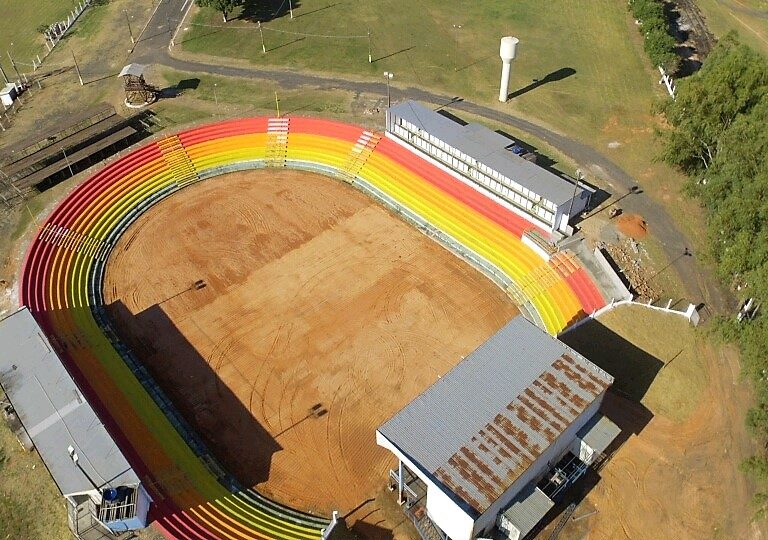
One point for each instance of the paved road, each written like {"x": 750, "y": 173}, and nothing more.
{"x": 153, "y": 49}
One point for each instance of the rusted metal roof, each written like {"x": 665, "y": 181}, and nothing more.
{"x": 486, "y": 421}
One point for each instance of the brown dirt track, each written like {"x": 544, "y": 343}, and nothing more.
{"x": 314, "y": 295}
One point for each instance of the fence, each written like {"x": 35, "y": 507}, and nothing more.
{"x": 668, "y": 82}
{"x": 57, "y": 30}
{"x": 53, "y": 35}
{"x": 691, "y": 312}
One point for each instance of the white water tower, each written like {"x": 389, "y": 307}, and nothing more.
{"x": 507, "y": 51}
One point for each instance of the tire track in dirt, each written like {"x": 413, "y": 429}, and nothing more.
{"x": 338, "y": 305}
{"x": 262, "y": 411}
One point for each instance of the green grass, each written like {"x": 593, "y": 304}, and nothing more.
{"x": 226, "y": 97}
{"x": 25, "y": 485}
{"x": 91, "y": 21}
{"x": 19, "y": 24}
{"x": 31, "y": 210}
{"x": 418, "y": 42}
{"x": 723, "y": 16}
{"x": 656, "y": 358}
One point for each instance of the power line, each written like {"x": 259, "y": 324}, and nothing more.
{"x": 268, "y": 29}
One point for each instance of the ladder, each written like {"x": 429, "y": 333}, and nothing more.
{"x": 177, "y": 159}
{"x": 72, "y": 240}
{"x": 538, "y": 281}
{"x": 276, "y": 150}
{"x": 565, "y": 263}
{"x": 357, "y": 157}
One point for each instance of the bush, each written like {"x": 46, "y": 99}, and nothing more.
{"x": 659, "y": 44}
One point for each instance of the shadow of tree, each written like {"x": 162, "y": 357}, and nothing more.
{"x": 266, "y": 10}
{"x": 179, "y": 88}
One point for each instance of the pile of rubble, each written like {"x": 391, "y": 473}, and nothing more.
{"x": 628, "y": 256}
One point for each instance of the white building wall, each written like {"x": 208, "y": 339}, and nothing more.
{"x": 447, "y": 515}
{"x": 441, "y": 509}
{"x": 583, "y": 450}
{"x": 579, "y": 205}
{"x": 525, "y": 215}
{"x": 453, "y": 519}
{"x": 548, "y": 459}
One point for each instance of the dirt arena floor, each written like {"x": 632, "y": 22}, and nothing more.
{"x": 321, "y": 315}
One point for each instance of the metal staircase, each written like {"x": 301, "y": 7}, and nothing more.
{"x": 177, "y": 159}
{"x": 276, "y": 149}
{"x": 357, "y": 157}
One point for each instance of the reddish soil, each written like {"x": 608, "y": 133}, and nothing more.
{"x": 632, "y": 225}
{"x": 321, "y": 316}
{"x": 680, "y": 480}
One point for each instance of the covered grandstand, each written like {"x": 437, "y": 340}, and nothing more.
{"x": 105, "y": 497}
{"x": 484, "y": 160}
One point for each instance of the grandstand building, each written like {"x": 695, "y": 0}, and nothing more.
{"x": 484, "y": 160}
{"x": 105, "y": 497}
{"x": 496, "y": 441}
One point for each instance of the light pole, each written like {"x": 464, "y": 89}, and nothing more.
{"x": 388, "y": 77}
{"x": 130, "y": 30}
{"x": 579, "y": 177}
{"x": 277, "y": 104}
{"x": 261, "y": 35}
{"x": 76, "y": 460}
{"x": 216, "y": 98}
{"x": 456, "y": 27}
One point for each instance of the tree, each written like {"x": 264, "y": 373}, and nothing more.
{"x": 718, "y": 136}
{"x": 224, "y": 6}
{"x": 731, "y": 82}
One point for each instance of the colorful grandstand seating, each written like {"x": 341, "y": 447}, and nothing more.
{"x": 64, "y": 268}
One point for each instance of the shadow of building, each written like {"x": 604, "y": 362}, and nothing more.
{"x": 237, "y": 440}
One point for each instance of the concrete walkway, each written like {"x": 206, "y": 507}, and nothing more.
{"x": 153, "y": 48}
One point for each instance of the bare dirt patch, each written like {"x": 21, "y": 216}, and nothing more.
{"x": 632, "y": 225}
{"x": 681, "y": 404}
{"x": 321, "y": 316}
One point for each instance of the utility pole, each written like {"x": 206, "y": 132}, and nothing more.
{"x": 579, "y": 176}
{"x": 388, "y": 77}
{"x": 216, "y": 99}
{"x": 14, "y": 65}
{"x": 2, "y": 72}
{"x": 261, "y": 33}
{"x": 66, "y": 159}
{"x": 130, "y": 31}
{"x": 290, "y": 8}
{"x": 456, "y": 27}
{"x": 77, "y": 68}
{"x": 370, "y": 58}
{"x": 277, "y": 104}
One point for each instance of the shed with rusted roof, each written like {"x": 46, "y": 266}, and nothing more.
{"x": 497, "y": 421}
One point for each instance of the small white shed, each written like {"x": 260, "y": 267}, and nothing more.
{"x": 8, "y": 94}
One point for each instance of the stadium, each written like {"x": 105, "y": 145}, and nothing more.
{"x": 85, "y": 293}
